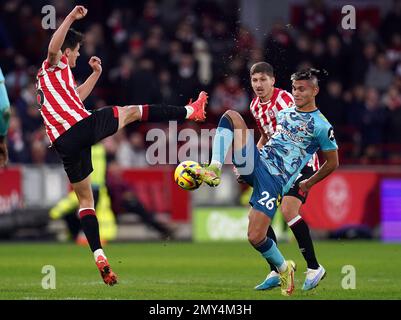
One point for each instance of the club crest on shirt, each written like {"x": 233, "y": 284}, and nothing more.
{"x": 331, "y": 134}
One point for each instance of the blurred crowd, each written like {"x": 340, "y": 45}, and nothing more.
{"x": 168, "y": 51}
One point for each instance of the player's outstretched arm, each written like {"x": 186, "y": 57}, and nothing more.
{"x": 328, "y": 167}
{"x": 86, "y": 88}
{"x": 54, "y": 50}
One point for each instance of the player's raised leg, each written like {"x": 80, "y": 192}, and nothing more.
{"x": 194, "y": 111}
{"x": 231, "y": 131}
{"x": 90, "y": 226}
{"x": 258, "y": 224}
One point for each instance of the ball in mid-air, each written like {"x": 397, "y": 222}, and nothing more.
{"x": 184, "y": 179}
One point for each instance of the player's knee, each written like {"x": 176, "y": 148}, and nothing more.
{"x": 236, "y": 118}
{"x": 233, "y": 115}
{"x": 288, "y": 212}
{"x": 255, "y": 237}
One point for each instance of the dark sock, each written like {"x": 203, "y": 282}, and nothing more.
{"x": 305, "y": 244}
{"x": 264, "y": 245}
{"x": 272, "y": 235}
{"x": 90, "y": 226}
{"x": 162, "y": 112}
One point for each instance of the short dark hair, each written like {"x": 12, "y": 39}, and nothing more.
{"x": 262, "y": 67}
{"x": 72, "y": 39}
{"x": 309, "y": 74}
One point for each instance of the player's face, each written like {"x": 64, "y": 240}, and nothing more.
{"x": 304, "y": 92}
{"x": 72, "y": 55}
{"x": 262, "y": 85}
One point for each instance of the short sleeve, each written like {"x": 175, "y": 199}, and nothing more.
{"x": 62, "y": 64}
{"x": 326, "y": 138}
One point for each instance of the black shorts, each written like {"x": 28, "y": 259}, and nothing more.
{"x": 74, "y": 146}
{"x": 306, "y": 173}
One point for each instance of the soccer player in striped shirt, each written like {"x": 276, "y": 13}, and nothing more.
{"x": 268, "y": 103}
{"x": 72, "y": 129}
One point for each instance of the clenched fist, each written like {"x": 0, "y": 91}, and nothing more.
{"x": 78, "y": 12}
{"x": 96, "y": 64}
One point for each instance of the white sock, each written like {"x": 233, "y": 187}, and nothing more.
{"x": 216, "y": 163}
{"x": 99, "y": 252}
{"x": 283, "y": 267}
{"x": 294, "y": 220}
{"x": 140, "y": 107}
{"x": 190, "y": 110}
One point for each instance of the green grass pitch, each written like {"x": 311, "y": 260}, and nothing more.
{"x": 194, "y": 271}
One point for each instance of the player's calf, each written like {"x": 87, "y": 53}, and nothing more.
{"x": 194, "y": 111}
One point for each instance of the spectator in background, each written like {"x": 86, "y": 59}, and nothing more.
{"x": 379, "y": 75}
{"x": 392, "y": 103}
{"x": 143, "y": 86}
{"x": 238, "y": 66}
{"x": 393, "y": 52}
{"x": 204, "y": 62}
{"x": 229, "y": 95}
{"x": 19, "y": 78}
{"x": 17, "y": 147}
{"x": 332, "y": 104}
{"x": 28, "y": 110}
{"x": 131, "y": 153}
{"x": 391, "y": 23}
{"x": 120, "y": 77}
{"x": 115, "y": 23}
{"x": 279, "y": 51}
{"x": 356, "y": 109}
{"x": 372, "y": 126}
{"x": 315, "y": 18}
{"x": 174, "y": 55}
{"x": 166, "y": 88}
{"x": 361, "y": 62}
{"x": 318, "y": 54}
{"x": 94, "y": 45}
{"x": 154, "y": 46}
{"x": 366, "y": 33}
{"x": 187, "y": 80}
{"x": 302, "y": 51}
{"x": 335, "y": 59}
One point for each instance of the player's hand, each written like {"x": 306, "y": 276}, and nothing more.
{"x": 305, "y": 186}
{"x": 3, "y": 154}
{"x": 238, "y": 176}
{"x": 96, "y": 64}
{"x": 78, "y": 12}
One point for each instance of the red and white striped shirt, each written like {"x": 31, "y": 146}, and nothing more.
{"x": 265, "y": 114}
{"x": 61, "y": 107}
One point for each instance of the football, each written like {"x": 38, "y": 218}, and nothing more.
{"x": 185, "y": 180}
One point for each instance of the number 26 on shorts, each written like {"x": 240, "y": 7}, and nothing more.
{"x": 267, "y": 201}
